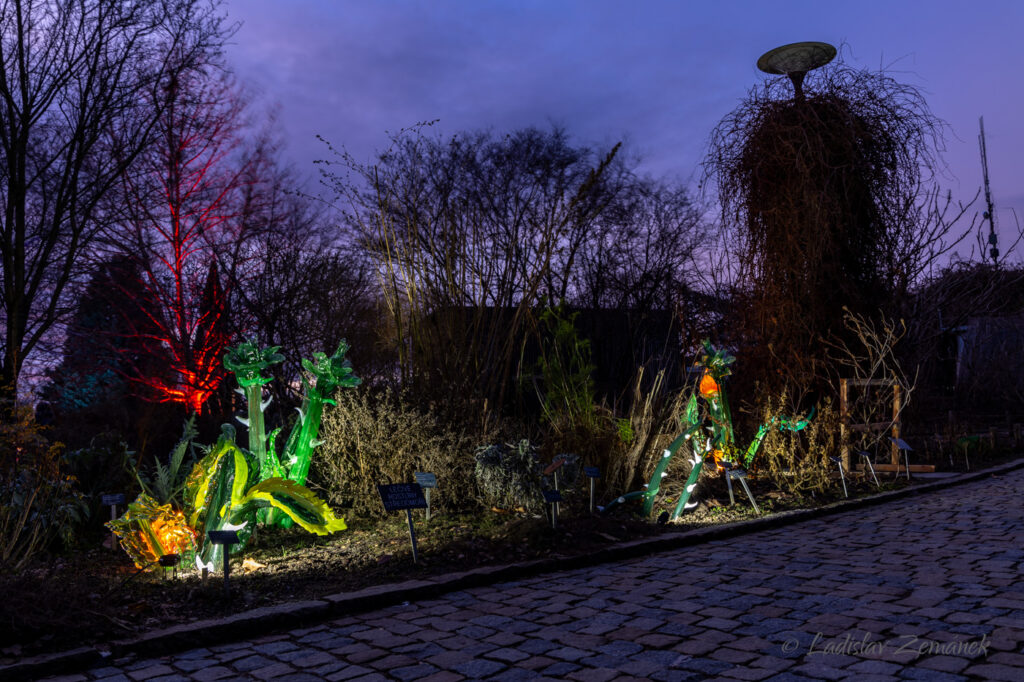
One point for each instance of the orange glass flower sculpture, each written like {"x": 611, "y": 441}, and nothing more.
{"x": 149, "y": 530}
{"x": 708, "y": 385}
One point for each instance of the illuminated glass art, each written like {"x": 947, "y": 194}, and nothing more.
{"x": 328, "y": 372}
{"x": 232, "y": 488}
{"x": 707, "y": 428}
{"x": 149, "y": 530}
{"x": 224, "y": 492}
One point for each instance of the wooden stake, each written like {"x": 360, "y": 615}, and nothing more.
{"x": 412, "y": 536}
{"x": 895, "y": 424}
{"x": 844, "y": 394}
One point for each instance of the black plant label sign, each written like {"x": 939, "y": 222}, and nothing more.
{"x": 552, "y": 496}
{"x": 397, "y": 496}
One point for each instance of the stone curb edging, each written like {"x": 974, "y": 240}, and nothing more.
{"x": 255, "y": 622}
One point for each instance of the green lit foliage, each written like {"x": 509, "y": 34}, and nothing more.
{"x": 165, "y": 482}
{"x": 624, "y": 427}
{"x": 566, "y": 373}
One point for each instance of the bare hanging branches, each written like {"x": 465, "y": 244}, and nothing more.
{"x": 868, "y": 355}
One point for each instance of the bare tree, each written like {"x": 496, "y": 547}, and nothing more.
{"x": 78, "y": 80}
{"x": 464, "y": 234}
{"x": 470, "y": 233}
{"x": 303, "y": 292}
{"x": 639, "y": 254}
{"x": 187, "y": 201}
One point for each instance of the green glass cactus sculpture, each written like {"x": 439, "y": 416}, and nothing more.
{"x": 329, "y": 372}
{"x": 247, "y": 361}
{"x": 224, "y": 492}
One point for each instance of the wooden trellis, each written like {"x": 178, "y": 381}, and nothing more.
{"x": 845, "y": 426}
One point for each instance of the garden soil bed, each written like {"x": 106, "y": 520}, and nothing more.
{"x": 95, "y": 596}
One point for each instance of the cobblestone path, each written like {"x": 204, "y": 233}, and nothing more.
{"x": 926, "y": 588}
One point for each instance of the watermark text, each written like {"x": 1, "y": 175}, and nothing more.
{"x": 867, "y": 644}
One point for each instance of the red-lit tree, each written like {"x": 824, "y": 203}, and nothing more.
{"x": 189, "y": 207}
{"x": 77, "y": 107}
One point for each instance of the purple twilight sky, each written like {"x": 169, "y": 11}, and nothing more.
{"x": 655, "y": 73}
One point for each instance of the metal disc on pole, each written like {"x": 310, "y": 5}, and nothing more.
{"x": 795, "y": 60}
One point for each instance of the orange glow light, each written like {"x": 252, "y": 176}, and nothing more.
{"x": 708, "y": 385}
{"x": 175, "y": 536}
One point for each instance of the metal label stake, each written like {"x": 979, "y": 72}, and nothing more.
{"x": 407, "y": 496}
{"x": 592, "y": 473}
{"x": 412, "y": 535}
{"x": 426, "y": 481}
{"x": 112, "y": 501}
{"x": 552, "y": 470}
{"x": 225, "y": 538}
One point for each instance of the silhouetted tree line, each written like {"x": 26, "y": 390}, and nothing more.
{"x": 473, "y": 235}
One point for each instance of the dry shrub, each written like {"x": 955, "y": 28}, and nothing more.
{"x": 799, "y": 462}
{"x": 371, "y": 438}
{"x": 829, "y": 202}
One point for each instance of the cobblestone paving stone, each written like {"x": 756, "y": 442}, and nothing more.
{"x": 925, "y": 588}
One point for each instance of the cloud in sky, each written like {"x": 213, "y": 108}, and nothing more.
{"x": 658, "y": 74}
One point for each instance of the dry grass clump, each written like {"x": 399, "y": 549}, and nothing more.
{"x": 625, "y": 448}
{"x": 644, "y": 433}
{"x": 798, "y": 462}
{"x": 382, "y": 437}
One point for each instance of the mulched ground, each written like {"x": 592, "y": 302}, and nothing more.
{"x": 97, "y": 595}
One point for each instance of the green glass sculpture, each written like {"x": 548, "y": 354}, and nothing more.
{"x": 232, "y": 488}
{"x": 224, "y": 492}
{"x": 707, "y": 427}
{"x": 247, "y": 361}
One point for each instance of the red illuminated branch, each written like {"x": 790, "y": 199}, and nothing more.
{"x": 186, "y": 205}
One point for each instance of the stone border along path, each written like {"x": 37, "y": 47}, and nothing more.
{"x": 924, "y": 587}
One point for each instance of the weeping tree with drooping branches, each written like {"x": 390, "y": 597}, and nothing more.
{"x": 819, "y": 195}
